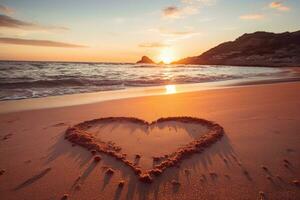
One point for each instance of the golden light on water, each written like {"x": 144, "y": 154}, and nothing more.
{"x": 170, "y": 89}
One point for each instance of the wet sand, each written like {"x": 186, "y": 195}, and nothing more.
{"x": 257, "y": 158}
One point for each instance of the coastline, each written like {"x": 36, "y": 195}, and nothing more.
{"x": 8, "y": 106}
{"x": 45, "y": 79}
{"x": 40, "y": 164}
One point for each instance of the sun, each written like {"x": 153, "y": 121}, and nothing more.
{"x": 167, "y": 55}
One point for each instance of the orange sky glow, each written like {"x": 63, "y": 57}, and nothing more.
{"x": 123, "y": 31}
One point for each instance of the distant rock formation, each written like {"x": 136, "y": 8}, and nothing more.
{"x": 255, "y": 49}
{"x": 145, "y": 60}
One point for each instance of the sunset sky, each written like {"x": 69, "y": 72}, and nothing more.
{"x": 124, "y": 30}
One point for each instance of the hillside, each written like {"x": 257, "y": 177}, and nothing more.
{"x": 255, "y": 49}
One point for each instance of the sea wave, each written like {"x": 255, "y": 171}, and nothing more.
{"x": 59, "y": 83}
{"x": 38, "y": 79}
{"x": 73, "y": 82}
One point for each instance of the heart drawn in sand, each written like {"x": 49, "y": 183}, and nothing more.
{"x": 147, "y": 148}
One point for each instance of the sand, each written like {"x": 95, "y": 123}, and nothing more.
{"x": 257, "y": 158}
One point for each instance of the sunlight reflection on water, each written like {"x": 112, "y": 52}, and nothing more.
{"x": 170, "y": 89}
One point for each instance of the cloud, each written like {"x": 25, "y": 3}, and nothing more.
{"x": 45, "y": 43}
{"x": 187, "y": 7}
{"x": 172, "y": 32}
{"x": 6, "y": 10}
{"x": 9, "y": 22}
{"x": 172, "y": 12}
{"x": 278, "y": 6}
{"x": 153, "y": 45}
{"x": 176, "y": 12}
{"x": 252, "y": 17}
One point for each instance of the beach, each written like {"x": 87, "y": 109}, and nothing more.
{"x": 256, "y": 158}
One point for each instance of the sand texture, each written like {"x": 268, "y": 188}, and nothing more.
{"x": 256, "y": 157}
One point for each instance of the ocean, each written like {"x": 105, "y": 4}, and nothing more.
{"x": 22, "y": 80}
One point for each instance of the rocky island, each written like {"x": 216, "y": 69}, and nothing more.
{"x": 146, "y": 60}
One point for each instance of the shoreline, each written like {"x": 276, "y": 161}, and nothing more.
{"x": 132, "y": 63}
{"x": 8, "y": 106}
